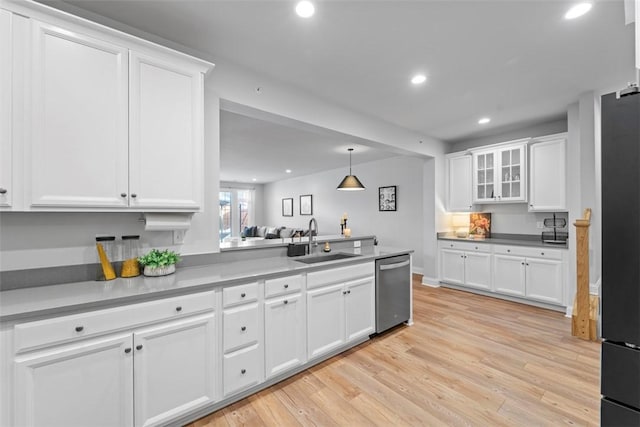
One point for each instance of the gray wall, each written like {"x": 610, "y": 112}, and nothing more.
{"x": 403, "y": 228}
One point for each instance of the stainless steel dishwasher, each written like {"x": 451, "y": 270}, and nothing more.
{"x": 393, "y": 291}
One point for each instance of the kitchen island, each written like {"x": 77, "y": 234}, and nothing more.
{"x": 168, "y": 350}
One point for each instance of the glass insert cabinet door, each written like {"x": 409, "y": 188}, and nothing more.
{"x": 510, "y": 173}
{"x": 484, "y": 176}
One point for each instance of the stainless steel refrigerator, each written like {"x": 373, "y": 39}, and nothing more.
{"x": 620, "y": 368}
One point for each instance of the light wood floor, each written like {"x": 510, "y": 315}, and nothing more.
{"x": 468, "y": 360}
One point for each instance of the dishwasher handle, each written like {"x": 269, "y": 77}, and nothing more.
{"x": 393, "y": 266}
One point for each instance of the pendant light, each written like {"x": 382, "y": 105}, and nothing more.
{"x": 350, "y": 182}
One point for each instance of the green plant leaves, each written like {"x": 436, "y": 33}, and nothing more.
{"x": 156, "y": 258}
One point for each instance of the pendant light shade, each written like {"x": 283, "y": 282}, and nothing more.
{"x": 350, "y": 182}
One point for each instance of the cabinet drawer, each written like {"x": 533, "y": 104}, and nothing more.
{"x": 341, "y": 274}
{"x": 529, "y": 252}
{"x": 240, "y": 326}
{"x": 242, "y": 369}
{"x": 282, "y": 285}
{"x": 620, "y": 373}
{"x": 61, "y": 329}
{"x": 239, "y": 294}
{"x": 465, "y": 246}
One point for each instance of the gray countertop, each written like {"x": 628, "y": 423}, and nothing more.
{"x": 257, "y": 244}
{"x": 507, "y": 239}
{"x": 82, "y": 296}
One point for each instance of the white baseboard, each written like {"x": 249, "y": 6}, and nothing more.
{"x": 430, "y": 281}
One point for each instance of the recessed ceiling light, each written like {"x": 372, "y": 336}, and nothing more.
{"x": 418, "y": 79}
{"x": 578, "y": 10}
{"x": 288, "y": 171}
{"x": 484, "y": 120}
{"x": 254, "y": 179}
{"x": 305, "y": 9}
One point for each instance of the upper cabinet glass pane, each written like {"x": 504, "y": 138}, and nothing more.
{"x": 506, "y": 160}
{"x": 489, "y": 160}
{"x": 515, "y": 156}
{"x": 480, "y": 162}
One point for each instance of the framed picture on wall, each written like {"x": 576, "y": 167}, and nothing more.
{"x": 306, "y": 204}
{"x": 287, "y": 207}
{"x": 387, "y": 198}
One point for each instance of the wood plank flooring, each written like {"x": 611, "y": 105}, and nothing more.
{"x": 468, "y": 360}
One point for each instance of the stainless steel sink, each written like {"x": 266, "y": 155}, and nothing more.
{"x": 323, "y": 258}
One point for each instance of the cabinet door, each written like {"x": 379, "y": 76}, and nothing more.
{"x": 459, "y": 191}
{"x": 452, "y": 266}
{"x": 360, "y": 308}
{"x": 512, "y": 174}
{"x": 6, "y": 136}
{"x": 509, "y": 275}
{"x": 477, "y": 270}
{"x": 166, "y": 134}
{"x": 325, "y": 320}
{"x": 544, "y": 280}
{"x": 548, "y": 176}
{"x": 84, "y": 384}
{"x": 241, "y": 326}
{"x": 175, "y": 367}
{"x": 79, "y": 120}
{"x": 484, "y": 177}
{"x": 284, "y": 324}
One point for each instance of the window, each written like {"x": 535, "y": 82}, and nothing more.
{"x": 236, "y": 211}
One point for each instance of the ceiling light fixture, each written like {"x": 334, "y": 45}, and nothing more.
{"x": 305, "y": 9}
{"x": 578, "y": 10}
{"x": 484, "y": 120}
{"x": 288, "y": 171}
{"x": 254, "y": 179}
{"x": 350, "y": 182}
{"x": 418, "y": 79}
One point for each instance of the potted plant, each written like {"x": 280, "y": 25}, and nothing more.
{"x": 159, "y": 263}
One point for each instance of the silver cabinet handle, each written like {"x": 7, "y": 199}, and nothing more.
{"x": 392, "y": 266}
{"x": 123, "y": 194}
{"x": 134, "y": 195}
{"x": 3, "y": 191}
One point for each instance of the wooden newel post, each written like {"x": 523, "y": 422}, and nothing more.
{"x": 585, "y": 308}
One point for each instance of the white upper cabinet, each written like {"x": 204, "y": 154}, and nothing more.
{"x": 78, "y": 152}
{"x": 547, "y": 165}
{"x": 459, "y": 183}
{"x": 500, "y": 173}
{"x": 6, "y": 170}
{"x": 107, "y": 121}
{"x": 166, "y": 138}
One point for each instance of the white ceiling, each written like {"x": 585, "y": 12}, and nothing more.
{"x": 261, "y": 149}
{"x": 516, "y": 61}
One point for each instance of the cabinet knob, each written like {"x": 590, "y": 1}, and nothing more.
{"x": 242, "y": 295}
{"x": 349, "y": 292}
{"x": 522, "y": 263}
{"x": 530, "y": 205}
{"x": 123, "y": 194}
{"x": 470, "y": 206}
{"x": 243, "y": 371}
{"x": 127, "y": 350}
{"x": 3, "y": 191}
{"x": 79, "y": 328}
{"x": 451, "y": 245}
{"x": 178, "y": 308}
{"x": 139, "y": 347}
{"x": 243, "y": 328}
{"x": 134, "y": 195}
{"x": 286, "y": 286}
{"x": 527, "y": 263}
{"x": 476, "y": 248}
{"x": 509, "y": 250}
{"x": 344, "y": 292}
{"x": 542, "y": 253}
{"x": 286, "y": 301}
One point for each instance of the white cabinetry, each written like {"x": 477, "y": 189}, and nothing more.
{"x": 284, "y": 325}
{"x": 166, "y": 138}
{"x": 73, "y": 370}
{"x": 243, "y": 361}
{"x": 107, "y": 121}
{"x": 79, "y": 119}
{"x": 466, "y": 263}
{"x": 339, "y": 311}
{"x": 500, "y": 173}
{"x": 536, "y": 274}
{"x": 6, "y": 97}
{"x": 547, "y": 166}
{"x": 459, "y": 183}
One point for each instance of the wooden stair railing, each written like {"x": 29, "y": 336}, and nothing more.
{"x": 585, "y": 306}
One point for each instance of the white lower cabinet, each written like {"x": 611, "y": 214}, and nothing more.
{"x": 466, "y": 264}
{"x": 143, "y": 376}
{"x": 88, "y": 383}
{"x": 285, "y": 333}
{"x": 339, "y": 313}
{"x": 532, "y": 273}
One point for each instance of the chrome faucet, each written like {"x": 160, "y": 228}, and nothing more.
{"x": 313, "y": 221}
